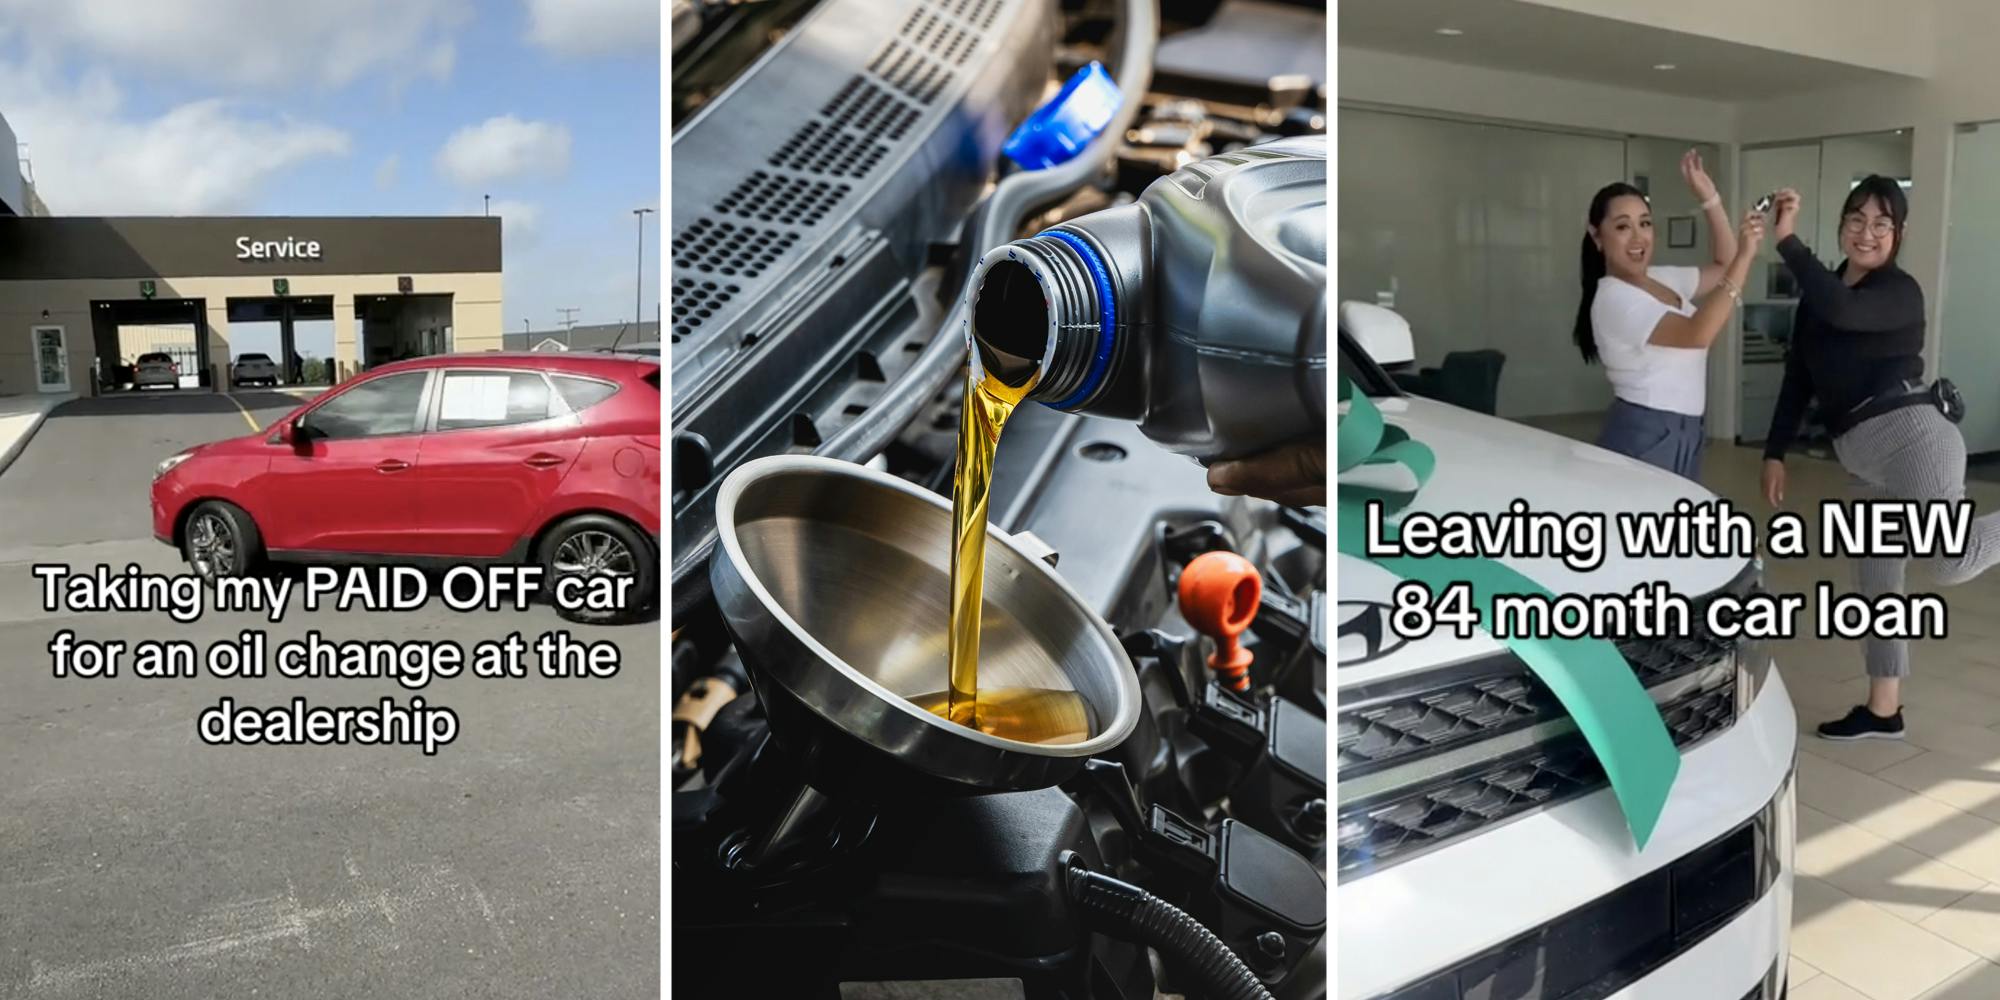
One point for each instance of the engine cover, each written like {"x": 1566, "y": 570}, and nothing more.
{"x": 807, "y": 196}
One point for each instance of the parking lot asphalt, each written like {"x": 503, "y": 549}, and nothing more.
{"x": 135, "y": 861}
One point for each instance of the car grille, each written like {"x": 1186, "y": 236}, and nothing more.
{"x": 1539, "y": 757}
{"x": 1550, "y": 772}
{"x": 1384, "y": 733}
{"x": 1617, "y": 939}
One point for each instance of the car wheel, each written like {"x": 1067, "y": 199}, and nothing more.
{"x": 220, "y": 540}
{"x": 594, "y": 545}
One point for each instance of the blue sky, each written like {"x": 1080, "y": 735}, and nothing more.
{"x": 360, "y": 107}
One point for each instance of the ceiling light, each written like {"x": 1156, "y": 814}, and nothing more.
{"x": 1450, "y": 32}
{"x": 1663, "y": 66}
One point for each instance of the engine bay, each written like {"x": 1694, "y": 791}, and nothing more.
{"x": 833, "y": 165}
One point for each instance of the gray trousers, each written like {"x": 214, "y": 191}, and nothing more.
{"x": 1912, "y": 454}
{"x": 1671, "y": 441}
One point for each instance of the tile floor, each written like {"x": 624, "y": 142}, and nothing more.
{"x": 1898, "y": 892}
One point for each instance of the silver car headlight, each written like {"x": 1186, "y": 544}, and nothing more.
{"x": 167, "y": 464}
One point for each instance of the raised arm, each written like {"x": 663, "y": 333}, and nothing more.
{"x": 1709, "y": 319}
{"x": 1878, "y": 308}
{"x": 1722, "y": 237}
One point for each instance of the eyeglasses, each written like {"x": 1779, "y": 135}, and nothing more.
{"x": 1880, "y": 226}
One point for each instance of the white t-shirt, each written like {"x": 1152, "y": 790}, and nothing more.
{"x": 1623, "y": 316}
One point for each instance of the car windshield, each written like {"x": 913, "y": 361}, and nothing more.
{"x": 1359, "y": 368}
{"x": 152, "y": 359}
{"x": 254, "y": 357}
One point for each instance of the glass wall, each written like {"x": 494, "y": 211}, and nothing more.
{"x": 1472, "y": 231}
{"x": 1969, "y": 313}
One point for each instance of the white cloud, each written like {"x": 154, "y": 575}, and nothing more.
{"x": 260, "y": 43}
{"x": 92, "y": 157}
{"x": 385, "y": 174}
{"x": 520, "y": 222}
{"x": 504, "y": 148}
{"x": 595, "y": 27}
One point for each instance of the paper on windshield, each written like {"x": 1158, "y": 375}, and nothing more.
{"x": 475, "y": 397}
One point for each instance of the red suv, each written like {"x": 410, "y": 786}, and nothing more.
{"x": 545, "y": 458}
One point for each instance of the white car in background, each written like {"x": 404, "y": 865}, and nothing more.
{"x": 156, "y": 369}
{"x": 253, "y": 368}
{"x": 1479, "y": 849}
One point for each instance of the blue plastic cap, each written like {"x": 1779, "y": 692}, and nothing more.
{"x": 1059, "y": 129}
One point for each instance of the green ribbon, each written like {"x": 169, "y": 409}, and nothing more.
{"x": 1588, "y": 676}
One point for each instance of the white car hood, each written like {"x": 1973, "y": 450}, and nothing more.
{"x": 1483, "y": 465}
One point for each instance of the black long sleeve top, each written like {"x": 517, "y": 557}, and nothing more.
{"x": 1848, "y": 343}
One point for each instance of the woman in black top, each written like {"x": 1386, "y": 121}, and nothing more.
{"x": 1857, "y": 348}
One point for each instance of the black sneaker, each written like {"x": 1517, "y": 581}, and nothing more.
{"x": 1862, "y": 724}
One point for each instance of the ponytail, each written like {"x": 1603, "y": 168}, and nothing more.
{"x": 1593, "y": 265}
{"x": 1593, "y": 269}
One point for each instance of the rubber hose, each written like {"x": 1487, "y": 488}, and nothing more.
{"x": 1126, "y": 911}
{"x": 1013, "y": 199}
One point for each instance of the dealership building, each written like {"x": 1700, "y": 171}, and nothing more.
{"x": 392, "y": 287}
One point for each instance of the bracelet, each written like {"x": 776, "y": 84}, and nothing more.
{"x": 1713, "y": 200}
{"x": 1730, "y": 287}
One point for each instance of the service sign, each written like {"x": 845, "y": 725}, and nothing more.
{"x": 285, "y": 249}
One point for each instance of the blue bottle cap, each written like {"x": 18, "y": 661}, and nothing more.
{"x": 1059, "y": 129}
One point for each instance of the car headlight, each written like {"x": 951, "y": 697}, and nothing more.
{"x": 167, "y": 464}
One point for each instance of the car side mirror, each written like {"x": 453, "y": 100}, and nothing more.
{"x": 1381, "y": 333}
{"x": 300, "y": 433}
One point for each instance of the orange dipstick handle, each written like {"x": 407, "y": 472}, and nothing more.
{"x": 1219, "y": 593}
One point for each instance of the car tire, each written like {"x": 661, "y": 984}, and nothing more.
{"x": 214, "y": 523}
{"x": 595, "y": 545}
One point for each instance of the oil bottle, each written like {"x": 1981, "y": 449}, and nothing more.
{"x": 1198, "y": 311}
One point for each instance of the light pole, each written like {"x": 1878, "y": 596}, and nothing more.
{"x": 486, "y": 204}
{"x": 639, "y": 274}
{"x": 569, "y": 324}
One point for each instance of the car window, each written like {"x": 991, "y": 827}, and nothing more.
{"x": 254, "y": 357}
{"x": 147, "y": 359}
{"x": 582, "y": 393}
{"x": 492, "y": 399}
{"x": 391, "y": 404}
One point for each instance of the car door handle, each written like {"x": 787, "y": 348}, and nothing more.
{"x": 543, "y": 460}
{"x": 391, "y": 465}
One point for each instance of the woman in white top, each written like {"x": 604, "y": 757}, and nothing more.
{"x": 1643, "y": 323}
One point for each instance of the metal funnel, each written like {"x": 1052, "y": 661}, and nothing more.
{"x": 834, "y": 581}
